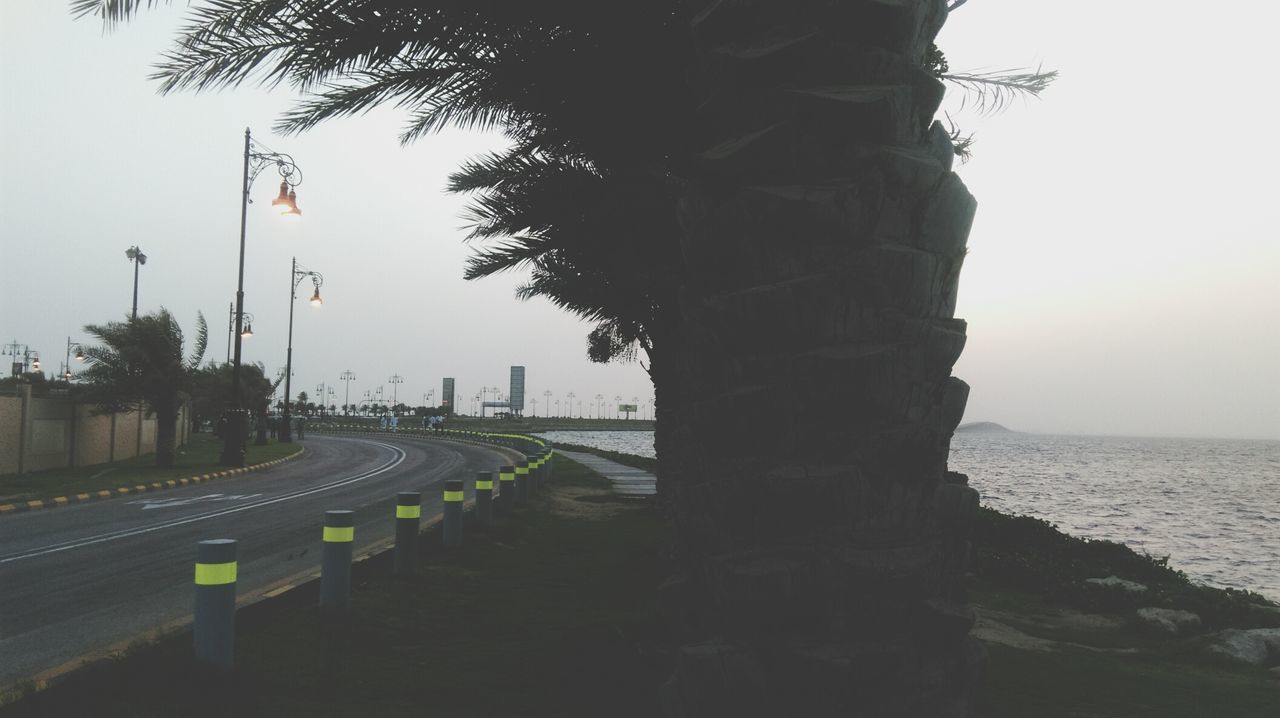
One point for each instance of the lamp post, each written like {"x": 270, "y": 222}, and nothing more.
{"x": 231, "y": 326}
{"x": 296, "y": 276}
{"x": 66, "y": 371}
{"x": 570, "y": 407}
{"x": 136, "y": 256}
{"x": 287, "y": 205}
{"x": 347, "y": 376}
{"x": 546, "y": 406}
{"x": 396, "y": 380}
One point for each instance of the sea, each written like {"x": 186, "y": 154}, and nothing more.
{"x": 1211, "y": 505}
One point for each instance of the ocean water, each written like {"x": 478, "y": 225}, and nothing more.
{"x": 1211, "y": 505}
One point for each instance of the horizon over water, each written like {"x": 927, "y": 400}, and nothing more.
{"x": 1211, "y": 505}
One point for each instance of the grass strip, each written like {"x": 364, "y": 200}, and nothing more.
{"x": 199, "y": 456}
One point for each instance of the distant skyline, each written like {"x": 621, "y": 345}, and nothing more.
{"x": 1120, "y": 278}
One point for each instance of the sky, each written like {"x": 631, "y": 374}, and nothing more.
{"x": 1120, "y": 280}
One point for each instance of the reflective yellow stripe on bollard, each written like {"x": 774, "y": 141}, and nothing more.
{"x": 215, "y": 574}
{"x": 408, "y": 512}
{"x": 339, "y": 534}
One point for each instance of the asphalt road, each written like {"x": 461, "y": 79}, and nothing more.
{"x": 83, "y": 577}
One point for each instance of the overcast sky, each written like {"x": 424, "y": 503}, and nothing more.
{"x": 1121, "y": 278}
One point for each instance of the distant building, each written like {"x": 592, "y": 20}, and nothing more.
{"x": 446, "y": 396}
{"x": 516, "y": 396}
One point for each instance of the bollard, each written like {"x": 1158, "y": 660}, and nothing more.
{"x": 453, "y": 512}
{"x": 506, "y": 489}
{"x": 214, "y": 628}
{"x": 335, "y": 562}
{"x": 408, "y": 516}
{"x": 522, "y": 481}
{"x": 484, "y": 498}
{"x": 533, "y": 473}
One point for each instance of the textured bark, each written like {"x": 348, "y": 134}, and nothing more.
{"x": 807, "y": 404}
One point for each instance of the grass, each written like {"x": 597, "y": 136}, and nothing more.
{"x": 542, "y": 616}
{"x": 198, "y": 456}
{"x": 1076, "y": 683}
{"x": 553, "y": 614}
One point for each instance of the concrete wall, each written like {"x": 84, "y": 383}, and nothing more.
{"x": 58, "y": 433}
{"x": 10, "y": 426}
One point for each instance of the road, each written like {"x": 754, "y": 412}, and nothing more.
{"x": 83, "y": 577}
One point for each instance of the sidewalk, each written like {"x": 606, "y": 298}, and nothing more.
{"x": 627, "y": 481}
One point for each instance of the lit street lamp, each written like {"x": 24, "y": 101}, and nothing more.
{"x": 66, "y": 365}
{"x": 287, "y": 205}
{"x": 136, "y": 256}
{"x": 296, "y": 275}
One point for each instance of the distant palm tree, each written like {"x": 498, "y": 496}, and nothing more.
{"x": 140, "y": 364}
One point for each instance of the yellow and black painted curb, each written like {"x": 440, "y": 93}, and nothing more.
{"x": 104, "y": 494}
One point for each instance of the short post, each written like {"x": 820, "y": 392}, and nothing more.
{"x": 522, "y": 481}
{"x": 215, "y": 612}
{"x": 484, "y": 498}
{"x": 533, "y": 473}
{"x": 506, "y": 489}
{"x": 335, "y": 562}
{"x": 453, "y": 512}
{"x": 408, "y": 517}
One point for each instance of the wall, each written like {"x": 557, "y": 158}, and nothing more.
{"x": 58, "y": 432}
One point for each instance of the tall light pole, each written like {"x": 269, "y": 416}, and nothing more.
{"x": 347, "y": 376}
{"x": 599, "y": 406}
{"x": 571, "y": 395}
{"x": 396, "y": 380}
{"x": 287, "y": 206}
{"x": 66, "y": 372}
{"x": 296, "y": 275}
{"x": 136, "y": 256}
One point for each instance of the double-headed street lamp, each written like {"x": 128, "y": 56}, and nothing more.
{"x": 136, "y": 256}
{"x": 66, "y": 365}
{"x": 286, "y": 204}
{"x": 295, "y": 278}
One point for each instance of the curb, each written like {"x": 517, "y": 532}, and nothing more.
{"x": 104, "y": 494}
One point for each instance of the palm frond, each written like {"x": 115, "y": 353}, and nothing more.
{"x": 994, "y": 91}
{"x": 112, "y": 12}
{"x": 202, "y": 342}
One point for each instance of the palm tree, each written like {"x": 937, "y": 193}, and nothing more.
{"x": 140, "y": 364}
{"x": 757, "y": 195}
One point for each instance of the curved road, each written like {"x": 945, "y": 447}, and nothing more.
{"x": 80, "y": 578}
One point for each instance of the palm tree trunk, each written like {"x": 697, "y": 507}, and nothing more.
{"x": 821, "y": 536}
{"x": 166, "y": 432}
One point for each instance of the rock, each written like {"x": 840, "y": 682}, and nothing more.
{"x": 1255, "y": 646}
{"x": 1168, "y": 621}
{"x": 1118, "y": 583}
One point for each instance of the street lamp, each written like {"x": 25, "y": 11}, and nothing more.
{"x": 347, "y": 376}
{"x": 570, "y": 407}
{"x": 254, "y": 162}
{"x": 396, "y": 380}
{"x": 296, "y": 275}
{"x": 136, "y": 256}
{"x": 66, "y": 365}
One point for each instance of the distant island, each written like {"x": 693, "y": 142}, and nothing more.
{"x": 984, "y": 427}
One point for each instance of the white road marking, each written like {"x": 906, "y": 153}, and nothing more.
{"x": 399, "y": 456}
{"x": 148, "y": 504}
